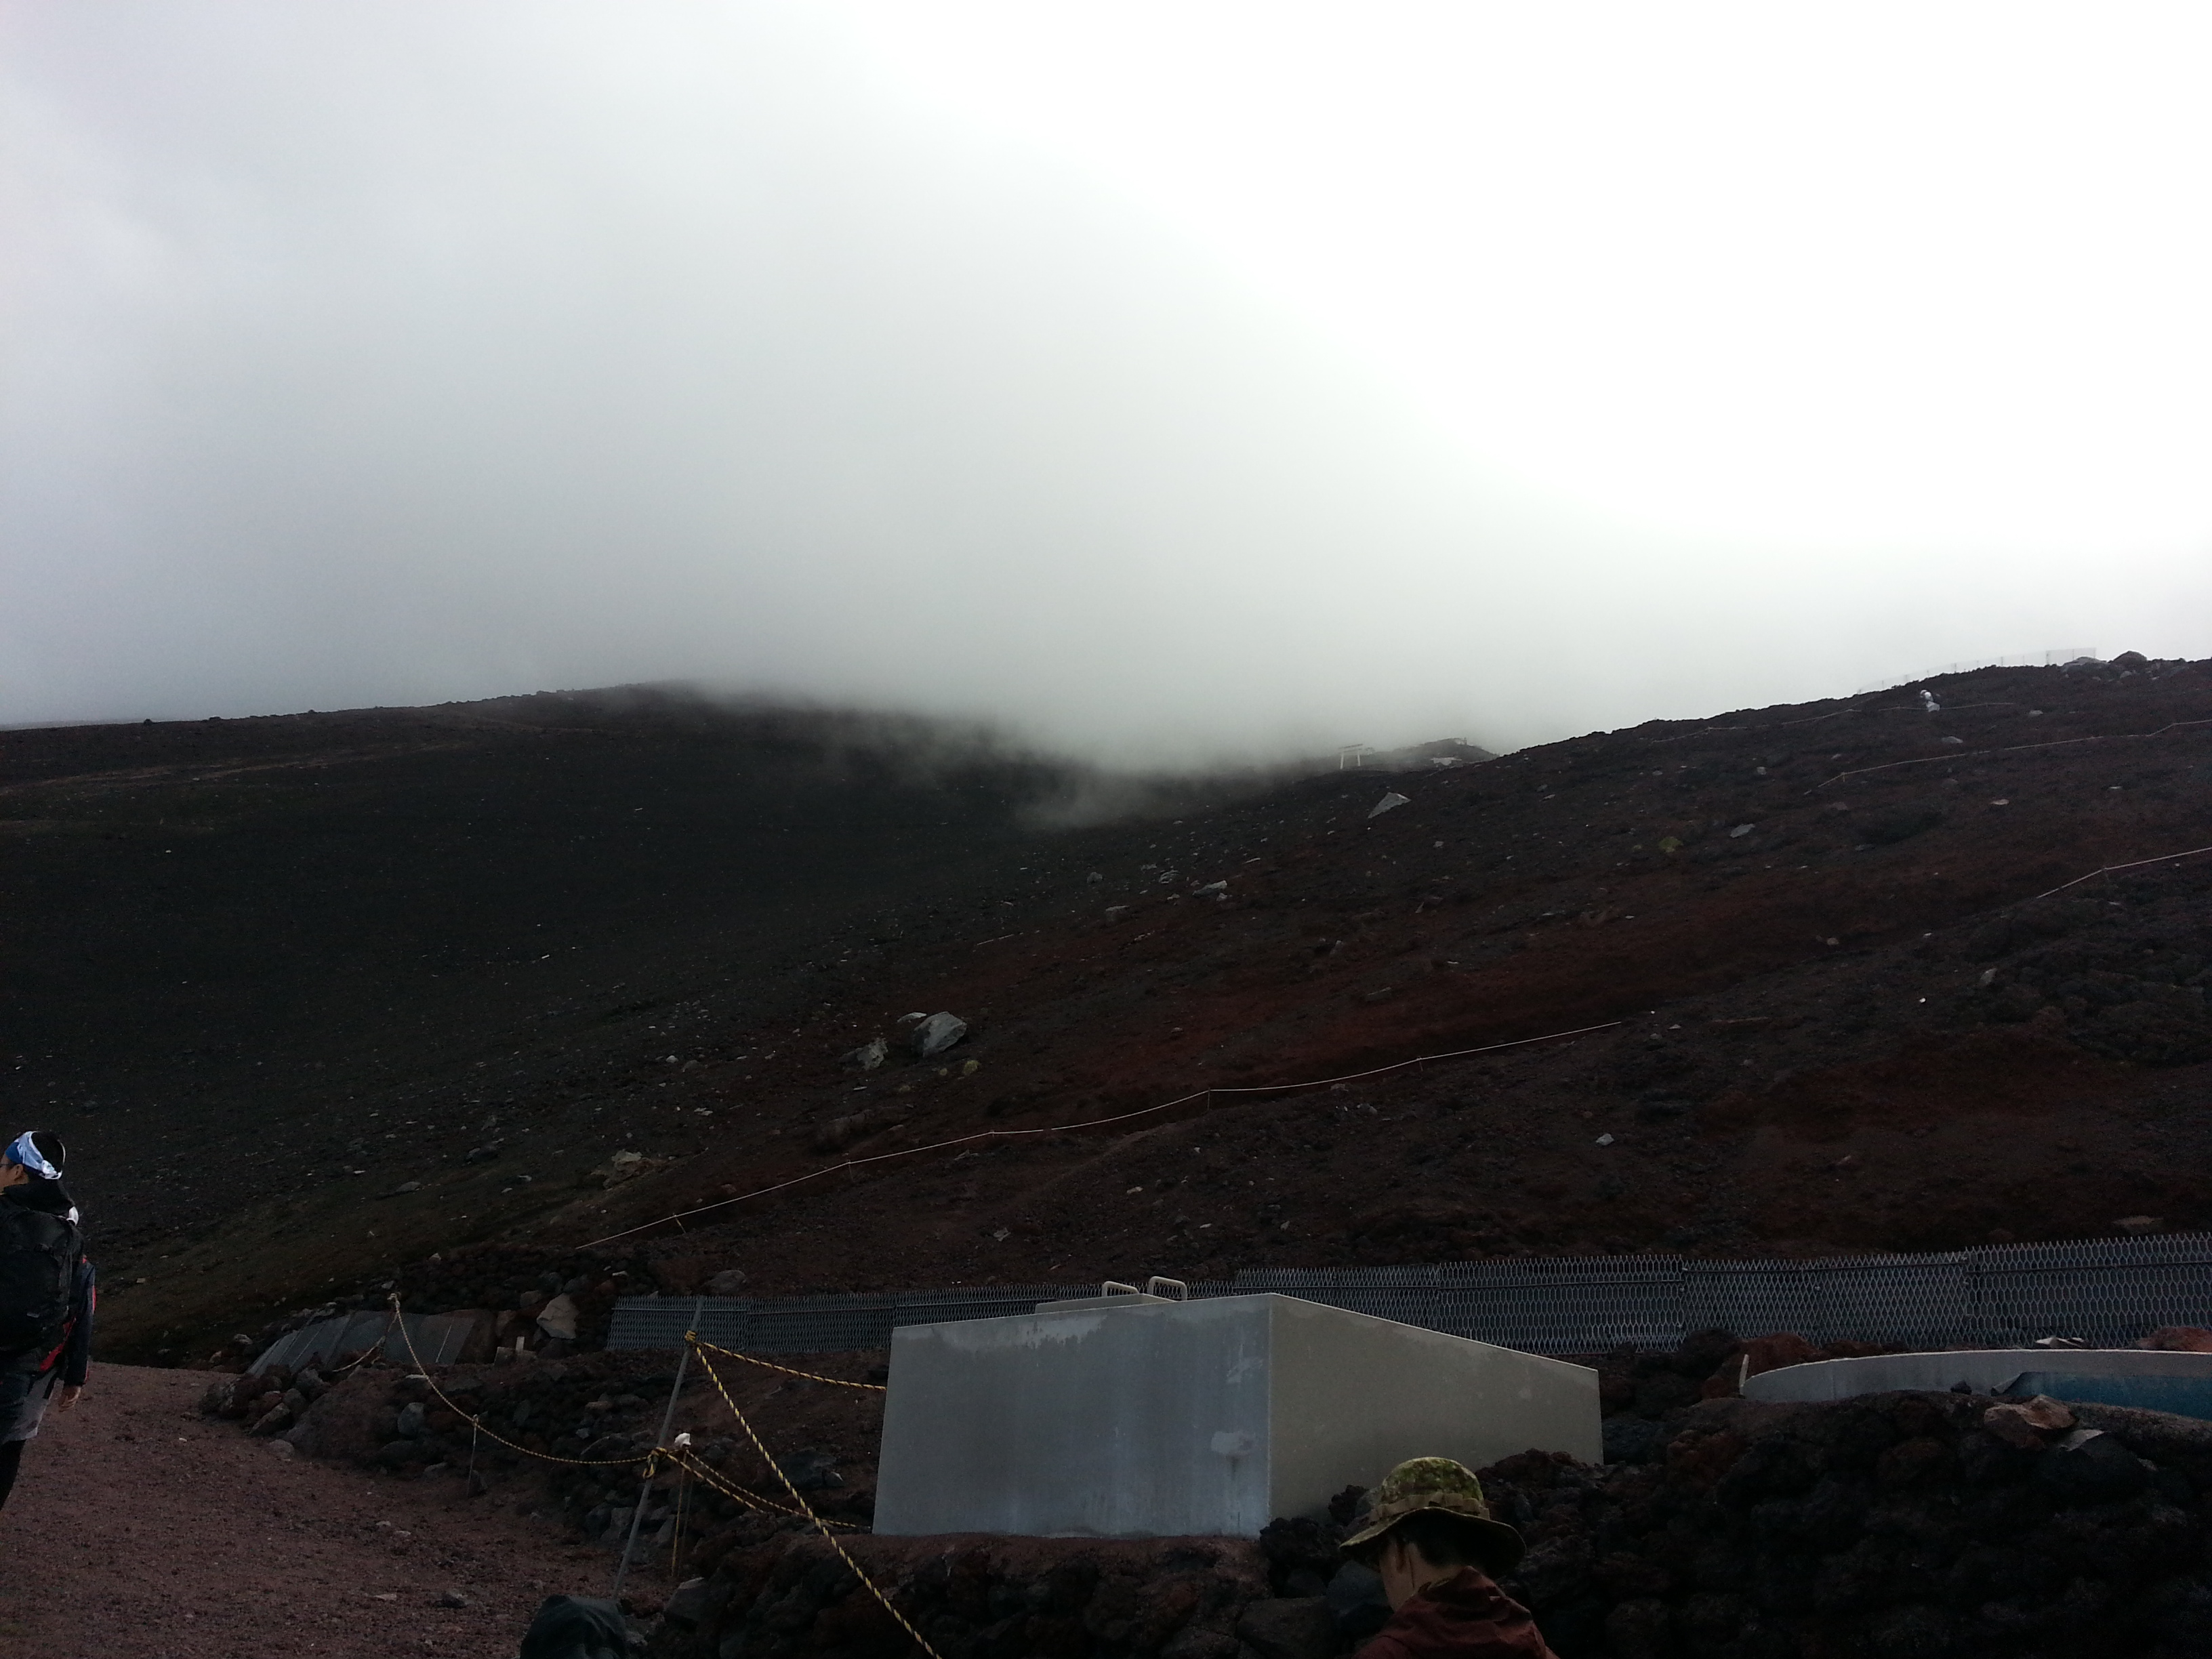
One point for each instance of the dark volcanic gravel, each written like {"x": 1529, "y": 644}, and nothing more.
{"x": 466, "y": 962}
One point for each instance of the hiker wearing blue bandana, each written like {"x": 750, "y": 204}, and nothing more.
{"x": 46, "y": 1294}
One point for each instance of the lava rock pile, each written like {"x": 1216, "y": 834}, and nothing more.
{"x": 1901, "y": 1526}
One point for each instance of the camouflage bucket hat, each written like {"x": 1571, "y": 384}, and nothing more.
{"x": 1438, "y": 1486}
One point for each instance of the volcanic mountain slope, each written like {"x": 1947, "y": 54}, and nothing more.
{"x": 1836, "y": 1013}
{"x": 269, "y": 961}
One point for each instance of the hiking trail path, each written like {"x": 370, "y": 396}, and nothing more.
{"x": 139, "y": 1529}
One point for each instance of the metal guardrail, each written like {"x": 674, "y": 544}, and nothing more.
{"x": 2107, "y": 1290}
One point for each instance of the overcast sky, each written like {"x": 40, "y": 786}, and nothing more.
{"x": 1167, "y": 380}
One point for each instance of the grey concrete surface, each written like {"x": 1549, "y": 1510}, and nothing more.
{"x": 438, "y": 1339}
{"x": 1986, "y": 1370}
{"x": 1172, "y": 1419}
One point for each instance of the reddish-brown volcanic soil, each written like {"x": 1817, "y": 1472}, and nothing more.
{"x": 1850, "y": 1027}
{"x": 1853, "y": 1025}
{"x": 140, "y": 1530}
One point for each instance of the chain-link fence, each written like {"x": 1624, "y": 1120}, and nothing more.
{"x": 2107, "y": 1290}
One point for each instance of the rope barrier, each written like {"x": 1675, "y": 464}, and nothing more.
{"x": 691, "y": 1467}
{"x": 697, "y": 1341}
{"x": 678, "y": 1456}
{"x": 681, "y": 1215}
{"x": 2166, "y": 858}
{"x": 828, "y": 1536}
{"x": 476, "y": 1419}
{"x": 645, "y": 1479}
{"x": 745, "y": 1495}
{"x": 1835, "y": 714}
{"x": 2009, "y": 748}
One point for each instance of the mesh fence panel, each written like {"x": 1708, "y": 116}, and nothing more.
{"x": 821, "y": 1324}
{"x": 2109, "y": 1290}
{"x": 1565, "y": 1305}
{"x": 652, "y": 1321}
{"x": 1921, "y": 1301}
{"x": 983, "y": 1302}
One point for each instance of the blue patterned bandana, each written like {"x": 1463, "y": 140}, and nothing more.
{"x": 23, "y": 1152}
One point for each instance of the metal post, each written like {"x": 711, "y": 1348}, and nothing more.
{"x": 667, "y": 1422}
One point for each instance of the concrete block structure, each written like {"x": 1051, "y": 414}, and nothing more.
{"x": 1140, "y": 1417}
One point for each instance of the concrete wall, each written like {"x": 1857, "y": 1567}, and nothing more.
{"x": 1197, "y": 1417}
{"x": 1986, "y": 1370}
{"x": 457, "y": 1338}
{"x": 1123, "y": 1423}
{"x": 1354, "y": 1395}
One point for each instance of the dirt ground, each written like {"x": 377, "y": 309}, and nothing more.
{"x": 140, "y": 1530}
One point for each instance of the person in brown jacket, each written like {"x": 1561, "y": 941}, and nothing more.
{"x": 1432, "y": 1537}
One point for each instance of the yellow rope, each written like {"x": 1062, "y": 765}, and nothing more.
{"x": 372, "y": 1350}
{"x": 688, "y": 1462}
{"x": 745, "y": 1495}
{"x": 475, "y": 1420}
{"x": 697, "y": 1341}
{"x": 828, "y": 1536}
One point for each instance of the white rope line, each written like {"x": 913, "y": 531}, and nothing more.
{"x": 2163, "y": 858}
{"x": 1838, "y": 713}
{"x": 2010, "y": 749}
{"x": 681, "y": 1215}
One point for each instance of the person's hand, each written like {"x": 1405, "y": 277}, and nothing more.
{"x": 70, "y": 1392}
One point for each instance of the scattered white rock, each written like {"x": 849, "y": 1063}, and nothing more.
{"x": 557, "y": 1318}
{"x": 938, "y": 1033}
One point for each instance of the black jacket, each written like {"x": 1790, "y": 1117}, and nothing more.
{"x": 73, "y": 1354}
{"x": 74, "y": 1357}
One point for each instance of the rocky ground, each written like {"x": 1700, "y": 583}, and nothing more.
{"x": 1836, "y": 1012}
{"x": 1924, "y": 1526}
{"x": 1905, "y": 1526}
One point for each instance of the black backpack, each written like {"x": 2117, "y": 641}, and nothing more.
{"x": 577, "y": 1627}
{"x": 37, "y": 1280}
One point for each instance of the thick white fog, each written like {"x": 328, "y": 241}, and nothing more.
{"x": 1166, "y": 381}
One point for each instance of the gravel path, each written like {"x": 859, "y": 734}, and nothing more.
{"x": 140, "y": 1530}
